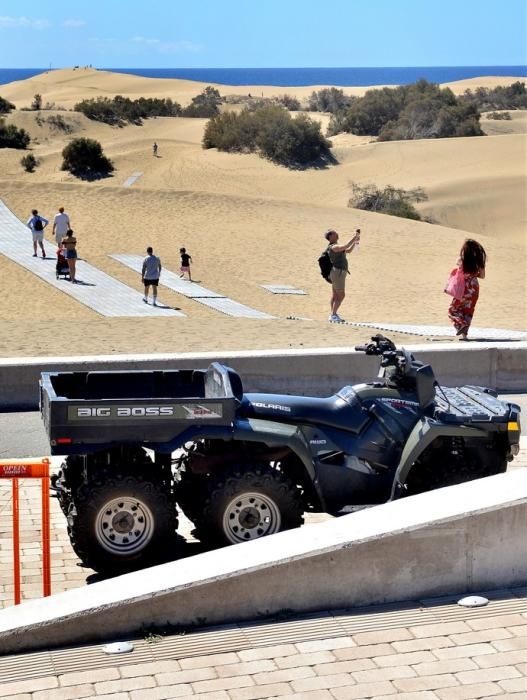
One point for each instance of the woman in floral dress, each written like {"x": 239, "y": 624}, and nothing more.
{"x": 472, "y": 260}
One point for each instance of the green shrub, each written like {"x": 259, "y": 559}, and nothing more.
{"x": 37, "y": 102}
{"x": 12, "y": 137}
{"x": 512, "y": 96}
{"x": 5, "y": 106}
{"x": 499, "y": 115}
{"x": 29, "y": 162}
{"x": 415, "y": 111}
{"x": 205, "y": 105}
{"x": 390, "y": 200}
{"x": 329, "y": 100}
{"x": 119, "y": 110}
{"x": 84, "y": 158}
{"x": 289, "y": 102}
{"x": 272, "y": 132}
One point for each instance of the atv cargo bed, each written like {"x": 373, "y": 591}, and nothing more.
{"x": 88, "y": 408}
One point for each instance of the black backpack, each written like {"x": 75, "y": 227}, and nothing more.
{"x": 325, "y": 264}
{"x": 37, "y": 225}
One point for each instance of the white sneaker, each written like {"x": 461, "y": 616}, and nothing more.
{"x": 336, "y": 317}
{"x": 145, "y": 300}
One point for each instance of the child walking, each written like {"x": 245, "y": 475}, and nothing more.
{"x": 186, "y": 259}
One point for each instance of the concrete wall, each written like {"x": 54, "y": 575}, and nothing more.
{"x": 460, "y": 539}
{"x": 501, "y": 366}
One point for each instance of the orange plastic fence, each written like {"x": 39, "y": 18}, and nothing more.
{"x": 16, "y": 469}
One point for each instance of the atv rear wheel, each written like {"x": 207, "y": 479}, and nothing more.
{"x": 246, "y": 503}
{"x": 123, "y": 524}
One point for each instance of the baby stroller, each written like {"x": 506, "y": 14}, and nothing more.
{"x": 61, "y": 268}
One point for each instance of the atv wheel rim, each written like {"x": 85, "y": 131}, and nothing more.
{"x": 124, "y": 526}
{"x": 250, "y": 516}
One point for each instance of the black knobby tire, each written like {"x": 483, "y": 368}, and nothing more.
{"x": 124, "y": 523}
{"x": 244, "y": 503}
{"x": 191, "y": 492}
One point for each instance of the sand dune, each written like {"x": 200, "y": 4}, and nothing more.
{"x": 248, "y": 222}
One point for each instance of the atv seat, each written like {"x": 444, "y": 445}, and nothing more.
{"x": 333, "y": 411}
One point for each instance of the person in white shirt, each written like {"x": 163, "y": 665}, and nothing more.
{"x": 37, "y": 224}
{"x": 150, "y": 274}
{"x": 61, "y": 224}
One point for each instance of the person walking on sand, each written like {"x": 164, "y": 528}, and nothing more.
{"x": 150, "y": 274}
{"x": 61, "y": 224}
{"x": 69, "y": 243}
{"x": 339, "y": 271}
{"x": 154, "y": 149}
{"x": 37, "y": 224}
{"x": 186, "y": 259}
{"x": 472, "y": 261}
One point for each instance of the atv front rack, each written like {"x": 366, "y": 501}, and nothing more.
{"x": 470, "y": 404}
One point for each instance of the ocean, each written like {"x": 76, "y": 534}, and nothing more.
{"x": 296, "y": 77}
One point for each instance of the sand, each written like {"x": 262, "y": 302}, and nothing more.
{"x": 248, "y": 222}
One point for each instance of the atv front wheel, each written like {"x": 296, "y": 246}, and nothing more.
{"x": 125, "y": 523}
{"x": 246, "y": 503}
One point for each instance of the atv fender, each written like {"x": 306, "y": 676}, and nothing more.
{"x": 279, "y": 434}
{"x": 424, "y": 432}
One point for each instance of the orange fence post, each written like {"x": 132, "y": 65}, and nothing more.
{"x": 16, "y": 469}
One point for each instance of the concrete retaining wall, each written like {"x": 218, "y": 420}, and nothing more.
{"x": 455, "y": 540}
{"x": 501, "y": 366}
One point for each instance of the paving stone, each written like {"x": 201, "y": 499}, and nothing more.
{"x": 260, "y": 691}
{"x": 502, "y": 658}
{"x": 318, "y": 657}
{"x": 363, "y": 652}
{"x": 217, "y": 695}
{"x": 309, "y": 695}
{"x": 411, "y": 657}
{"x": 267, "y": 652}
{"x": 321, "y": 682}
{"x": 222, "y": 684}
{"x": 449, "y": 666}
{"x": 168, "y": 691}
{"x": 284, "y": 675}
{"x": 189, "y": 676}
{"x": 412, "y": 685}
{"x": 93, "y": 676}
{"x": 344, "y": 666}
{"x": 30, "y": 686}
{"x": 458, "y": 652}
{"x": 150, "y": 668}
{"x": 325, "y": 644}
{"x": 380, "y": 636}
{"x": 514, "y": 685}
{"x": 125, "y": 684}
{"x": 421, "y": 695}
{"x": 364, "y": 690}
{"x": 72, "y": 692}
{"x": 245, "y": 667}
{"x": 497, "y": 673}
{"x": 518, "y": 630}
{"x": 469, "y": 692}
{"x": 510, "y": 644}
{"x": 210, "y": 660}
{"x": 116, "y": 696}
{"x": 481, "y": 636}
{"x": 383, "y": 674}
{"x": 484, "y": 623}
{"x": 424, "y": 644}
{"x": 440, "y": 629}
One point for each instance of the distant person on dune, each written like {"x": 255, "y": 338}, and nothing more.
{"x": 472, "y": 261}
{"x": 61, "y": 224}
{"x": 150, "y": 274}
{"x": 154, "y": 148}
{"x": 186, "y": 259}
{"x": 339, "y": 271}
{"x": 37, "y": 224}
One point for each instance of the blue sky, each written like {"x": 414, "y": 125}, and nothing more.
{"x": 262, "y": 33}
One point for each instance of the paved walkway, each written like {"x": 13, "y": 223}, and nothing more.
{"x": 192, "y": 290}
{"x": 441, "y": 331}
{"x": 97, "y": 290}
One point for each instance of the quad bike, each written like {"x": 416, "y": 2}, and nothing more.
{"x": 245, "y": 465}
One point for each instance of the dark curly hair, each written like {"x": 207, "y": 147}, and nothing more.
{"x": 473, "y": 256}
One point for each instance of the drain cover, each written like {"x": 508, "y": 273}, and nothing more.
{"x": 118, "y": 648}
{"x": 473, "y": 601}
